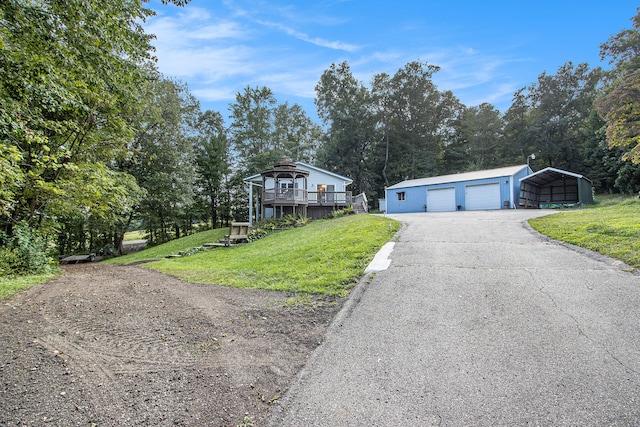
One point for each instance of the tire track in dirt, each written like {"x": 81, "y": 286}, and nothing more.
{"x": 110, "y": 345}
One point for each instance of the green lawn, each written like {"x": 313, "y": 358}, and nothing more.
{"x": 610, "y": 227}
{"x": 324, "y": 257}
{"x": 328, "y": 256}
{"x": 172, "y": 247}
{"x": 11, "y": 285}
{"x": 135, "y": 235}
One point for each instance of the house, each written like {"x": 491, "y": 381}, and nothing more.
{"x": 551, "y": 187}
{"x": 487, "y": 189}
{"x": 297, "y": 188}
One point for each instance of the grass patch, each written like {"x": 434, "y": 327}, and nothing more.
{"x": 299, "y": 300}
{"x": 173, "y": 247}
{"x": 610, "y": 227}
{"x": 324, "y": 257}
{"x": 9, "y": 286}
{"x": 135, "y": 235}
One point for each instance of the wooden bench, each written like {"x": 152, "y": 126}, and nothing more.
{"x": 238, "y": 232}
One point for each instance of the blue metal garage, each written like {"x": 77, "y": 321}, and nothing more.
{"x": 479, "y": 190}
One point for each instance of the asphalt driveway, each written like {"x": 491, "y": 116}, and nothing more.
{"x": 478, "y": 321}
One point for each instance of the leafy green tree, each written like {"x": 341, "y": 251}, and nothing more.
{"x": 251, "y": 130}
{"x": 212, "y": 162}
{"x": 415, "y": 120}
{"x": 518, "y": 140}
{"x": 262, "y": 131}
{"x": 619, "y": 105}
{"x": 10, "y": 176}
{"x": 345, "y": 106}
{"x": 481, "y": 130}
{"x": 562, "y": 102}
{"x": 69, "y": 73}
{"x": 382, "y": 92}
{"x": 548, "y": 117}
{"x": 96, "y": 225}
{"x": 161, "y": 158}
{"x": 294, "y": 133}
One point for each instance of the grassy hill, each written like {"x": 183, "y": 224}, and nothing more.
{"x": 610, "y": 227}
{"x": 172, "y": 247}
{"x": 325, "y": 257}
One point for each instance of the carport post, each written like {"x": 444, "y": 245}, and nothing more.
{"x": 580, "y": 191}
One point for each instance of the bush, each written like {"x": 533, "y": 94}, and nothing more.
{"x": 340, "y": 213}
{"x": 263, "y": 227}
{"x": 24, "y": 253}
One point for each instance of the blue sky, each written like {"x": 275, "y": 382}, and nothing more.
{"x": 486, "y": 49}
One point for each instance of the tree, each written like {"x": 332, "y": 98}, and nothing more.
{"x": 518, "y": 141}
{"x": 294, "y": 133}
{"x": 69, "y": 73}
{"x": 619, "y": 105}
{"x": 10, "y": 176}
{"x": 251, "y": 130}
{"x": 263, "y": 131}
{"x": 415, "y": 120}
{"x": 482, "y": 129}
{"x": 98, "y": 224}
{"x": 211, "y": 159}
{"x": 548, "y": 117}
{"x": 345, "y": 106}
{"x": 161, "y": 158}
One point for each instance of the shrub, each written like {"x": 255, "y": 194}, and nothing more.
{"x": 263, "y": 227}
{"x": 24, "y": 253}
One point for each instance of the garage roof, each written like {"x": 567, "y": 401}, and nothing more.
{"x": 547, "y": 175}
{"x": 458, "y": 177}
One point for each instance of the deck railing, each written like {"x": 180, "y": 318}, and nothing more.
{"x": 316, "y": 198}
{"x": 330, "y": 198}
{"x": 293, "y": 195}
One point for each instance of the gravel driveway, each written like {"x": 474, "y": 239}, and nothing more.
{"x": 478, "y": 321}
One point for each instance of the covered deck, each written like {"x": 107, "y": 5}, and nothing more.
{"x": 287, "y": 189}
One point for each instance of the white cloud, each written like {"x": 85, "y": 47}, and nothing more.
{"x": 318, "y": 41}
{"x": 193, "y": 27}
{"x": 300, "y": 84}
{"x": 192, "y": 44}
{"x": 215, "y": 94}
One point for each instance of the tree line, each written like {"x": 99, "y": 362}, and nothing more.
{"x": 94, "y": 141}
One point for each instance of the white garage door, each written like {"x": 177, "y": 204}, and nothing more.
{"x": 441, "y": 200}
{"x": 480, "y": 197}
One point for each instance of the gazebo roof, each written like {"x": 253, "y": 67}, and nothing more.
{"x": 285, "y": 165}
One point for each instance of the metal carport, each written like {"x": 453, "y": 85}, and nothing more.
{"x": 550, "y": 186}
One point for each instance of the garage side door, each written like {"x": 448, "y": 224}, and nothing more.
{"x": 441, "y": 200}
{"x": 482, "y": 197}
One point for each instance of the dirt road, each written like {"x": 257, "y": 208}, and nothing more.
{"x": 109, "y": 345}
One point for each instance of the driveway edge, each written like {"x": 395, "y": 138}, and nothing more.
{"x": 612, "y": 262}
{"x": 277, "y": 412}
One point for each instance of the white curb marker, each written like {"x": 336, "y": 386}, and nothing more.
{"x": 381, "y": 261}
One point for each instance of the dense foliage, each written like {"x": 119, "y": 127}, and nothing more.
{"x": 95, "y": 141}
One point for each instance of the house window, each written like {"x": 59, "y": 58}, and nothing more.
{"x": 401, "y": 196}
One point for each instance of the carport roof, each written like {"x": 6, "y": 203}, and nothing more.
{"x": 458, "y": 177}
{"x": 547, "y": 175}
